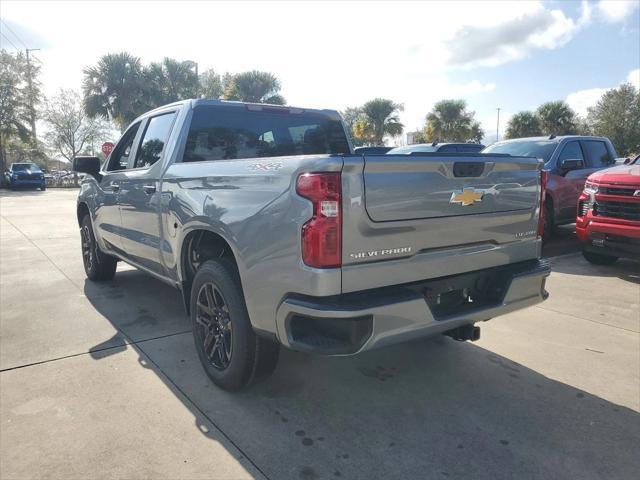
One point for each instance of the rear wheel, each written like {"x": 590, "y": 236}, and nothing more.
{"x": 97, "y": 265}
{"x": 599, "y": 258}
{"x": 232, "y": 355}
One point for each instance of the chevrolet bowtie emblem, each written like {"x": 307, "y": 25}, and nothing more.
{"x": 468, "y": 196}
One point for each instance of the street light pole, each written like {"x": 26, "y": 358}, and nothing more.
{"x": 498, "y": 125}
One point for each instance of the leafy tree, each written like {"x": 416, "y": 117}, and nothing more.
{"x": 351, "y": 116}
{"x": 169, "y": 81}
{"x": 379, "y": 118}
{"x": 450, "y": 121}
{"x": 211, "y": 84}
{"x": 523, "y": 124}
{"x": 16, "y": 137}
{"x": 557, "y": 118}
{"x": 71, "y": 131}
{"x": 617, "y": 116}
{"x": 254, "y": 86}
{"x": 363, "y": 133}
{"x": 115, "y": 89}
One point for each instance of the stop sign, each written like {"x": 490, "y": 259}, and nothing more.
{"x": 107, "y": 147}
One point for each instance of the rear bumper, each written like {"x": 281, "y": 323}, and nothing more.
{"x": 355, "y": 322}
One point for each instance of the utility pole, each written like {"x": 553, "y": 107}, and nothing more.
{"x": 498, "y": 125}
{"x": 197, "y": 82}
{"x": 32, "y": 110}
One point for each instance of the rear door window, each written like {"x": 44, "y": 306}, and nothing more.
{"x": 571, "y": 151}
{"x": 119, "y": 159}
{"x": 154, "y": 139}
{"x": 597, "y": 153}
{"x": 222, "y": 133}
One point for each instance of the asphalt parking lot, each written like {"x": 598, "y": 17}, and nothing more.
{"x": 102, "y": 381}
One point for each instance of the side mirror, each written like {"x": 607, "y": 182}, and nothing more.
{"x": 88, "y": 165}
{"x": 627, "y": 161}
{"x": 571, "y": 164}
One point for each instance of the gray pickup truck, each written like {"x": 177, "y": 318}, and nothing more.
{"x": 277, "y": 234}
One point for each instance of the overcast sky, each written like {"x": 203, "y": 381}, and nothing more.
{"x": 512, "y": 55}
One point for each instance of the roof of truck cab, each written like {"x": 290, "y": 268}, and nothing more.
{"x": 194, "y": 102}
{"x": 206, "y": 101}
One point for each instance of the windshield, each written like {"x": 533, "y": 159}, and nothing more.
{"x": 530, "y": 148}
{"x": 410, "y": 149}
{"x": 21, "y": 167}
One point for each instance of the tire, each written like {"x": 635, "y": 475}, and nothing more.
{"x": 599, "y": 258}
{"x": 232, "y": 355}
{"x": 98, "y": 266}
{"x": 549, "y": 222}
{"x": 43, "y": 188}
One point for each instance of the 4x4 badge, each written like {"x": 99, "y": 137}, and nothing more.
{"x": 468, "y": 196}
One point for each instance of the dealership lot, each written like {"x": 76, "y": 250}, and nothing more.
{"x": 102, "y": 380}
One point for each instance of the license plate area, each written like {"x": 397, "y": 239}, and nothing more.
{"x": 458, "y": 294}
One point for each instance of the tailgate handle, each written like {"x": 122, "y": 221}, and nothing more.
{"x": 468, "y": 169}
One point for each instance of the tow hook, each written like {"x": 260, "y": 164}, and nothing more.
{"x": 466, "y": 332}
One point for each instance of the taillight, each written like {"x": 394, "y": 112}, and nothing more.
{"x": 322, "y": 235}
{"x": 544, "y": 176}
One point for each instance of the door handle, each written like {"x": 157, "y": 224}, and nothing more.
{"x": 149, "y": 189}
{"x": 115, "y": 186}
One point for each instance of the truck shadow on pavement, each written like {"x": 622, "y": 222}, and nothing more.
{"x": 428, "y": 409}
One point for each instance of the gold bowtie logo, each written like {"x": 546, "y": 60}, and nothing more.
{"x": 468, "y": 196}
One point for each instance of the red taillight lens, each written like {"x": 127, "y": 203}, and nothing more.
{"x": 322, "y": 235}
{"x": 544, "y": 176}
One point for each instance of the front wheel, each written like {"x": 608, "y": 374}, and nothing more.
{"x": 97, "y": 265}
{"x": 599, "y": 258}
{"x": 232, "y": 355}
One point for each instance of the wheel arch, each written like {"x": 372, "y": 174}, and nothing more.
{"x": 199, "y": 245}
{"x": 81, "y": 211}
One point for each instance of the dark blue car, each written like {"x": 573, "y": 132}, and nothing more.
{"x": 25, "y": 175}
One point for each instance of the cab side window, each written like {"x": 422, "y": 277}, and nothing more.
{"x": 154, "y": 140}
{"x": 597, "y": 153}
{"x": 119, "y": 159}
{"x": 571, "y": 151}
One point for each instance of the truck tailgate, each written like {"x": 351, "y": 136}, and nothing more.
{"x": 408, "y": 218}
{"x": 404, "y": 187}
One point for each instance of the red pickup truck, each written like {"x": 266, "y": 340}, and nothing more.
{"x": 608, "y": 221}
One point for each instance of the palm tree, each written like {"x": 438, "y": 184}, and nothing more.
{"x": 523, "y": 124}
{"x": 557, "y": 118}
{"x": 169, "y": 81}
{"x": 114, "y": 88}
{"x": 381, "y": 116}
{"x": 450, "y": 121}
{"x": 254, "y": 86}
{"x": 211, "y": 85}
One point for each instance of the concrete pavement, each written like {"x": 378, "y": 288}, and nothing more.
{"x": 102, "y": 380}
